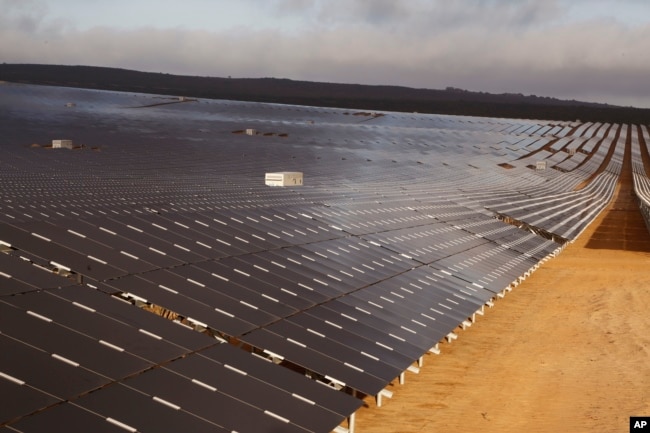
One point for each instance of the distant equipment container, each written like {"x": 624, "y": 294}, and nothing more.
{"x": 284, "y": 178}
{"x": 70, "y": 104}
{"x": 62, "y": 144}
{"x": 541, "y": 165}
{"x": 572, "y": 151}
{"x": 251, "y": 131}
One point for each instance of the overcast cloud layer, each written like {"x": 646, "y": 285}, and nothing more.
{"x": 586, "y": 50}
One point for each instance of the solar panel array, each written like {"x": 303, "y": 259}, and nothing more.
{"x": 641, "y": 137}
{"x": 305, "y": 299}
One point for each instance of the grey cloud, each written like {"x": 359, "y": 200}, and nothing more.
{"x": 430, "y": 15}
{"x": 573, "y": 61}
{"x": 417, "y": 15}
{"x": 376, "y": 12}
{"x": 292, "y": 6}
{"x": 22, "y": 15}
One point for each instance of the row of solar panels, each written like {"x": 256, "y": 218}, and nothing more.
{"x": 348, "y": 280}
{"x": 89, "y": 359}
{"x": 567, "y": 210}
{"x": 641, "y": 137}
{"x": 286, "y": 301}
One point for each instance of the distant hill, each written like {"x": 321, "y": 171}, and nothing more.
{"x": 388, "y": 98}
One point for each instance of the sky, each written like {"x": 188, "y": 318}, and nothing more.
{"x": 588, "y": 50}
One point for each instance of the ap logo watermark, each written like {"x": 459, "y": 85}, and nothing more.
{"x": 640, "y": 424}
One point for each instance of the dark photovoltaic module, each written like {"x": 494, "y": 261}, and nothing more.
{"x": 151, "y": 281}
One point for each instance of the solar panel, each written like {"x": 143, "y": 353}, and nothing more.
{"x": 25, "y": 399}
{"x": 298, "y": 386}
{"x": 20, "y": 276}
{"x": 67, "y": 415}
{"x": 114, "y": 334}
{"x": 132, "y": 409}
{"x": 52, "y": 374}
{"x": 312, "y": 360}
{"x": 156, "y": 272}
{"x": 155, "y": 288}
{"x": 146, "y": 323}
{"x": 47, "y": 250}
{"x": 36, "y": 331}
{"x": 360, "y": 341}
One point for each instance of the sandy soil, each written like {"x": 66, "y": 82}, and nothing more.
{"x": 566, "y": 351}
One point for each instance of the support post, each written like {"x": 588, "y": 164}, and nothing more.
{"x": 383, "y": 393}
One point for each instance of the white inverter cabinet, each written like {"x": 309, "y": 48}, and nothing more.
{"x": 284, "y": 178}
{"x": 62, "y": 144}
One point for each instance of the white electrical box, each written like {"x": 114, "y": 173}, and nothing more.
{"x": 62, "y": 144}
{"x": 284, "y": 178}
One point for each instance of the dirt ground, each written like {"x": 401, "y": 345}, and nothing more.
{"x": 566, "y": 351}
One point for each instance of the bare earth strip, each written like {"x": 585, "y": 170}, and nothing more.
{"x": 566, "y": 351}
